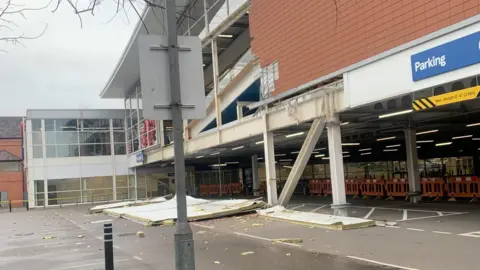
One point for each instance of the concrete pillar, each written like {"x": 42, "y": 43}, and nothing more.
{"x": 270, "y": 171}
{"x": 256, "y": 180}
{"x": 302, "y": 160}
{"x": 412, "y": 165}
{"x": 216, "y": 83}
{"x": 336, "y": 167}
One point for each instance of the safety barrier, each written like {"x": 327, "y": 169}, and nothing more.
{"x": 352, "y": 187}
{"x": 397, "y": 188}
{"x": 433, "y": 188}
{"x": 235, "y": 188}
{"x": 326, "y": 187}
{"x": 372, "y": 188}
{"x": 203, "y": 190}
{"x": 462, "y": 187}
{"x": 213, "y": 190}
{"x": 314, "y": 187}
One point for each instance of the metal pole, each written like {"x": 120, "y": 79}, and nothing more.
{"x": 184, "y": 251}
{"x": 10, "y": 205}
{"x": 108, "y": 245}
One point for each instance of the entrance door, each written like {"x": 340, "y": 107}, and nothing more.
{"x": 3, "y": 198}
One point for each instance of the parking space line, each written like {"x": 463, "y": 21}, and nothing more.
{"x": 405, "y": 214}
{"x": 369, "y": 213}
{"x": 203, "y": 226}
{"x": 381, "y": 263}
{"x": 439, "y": 232}
{"x": 414, "y": 229}
{"x": 471, "y": 234}
{"x": 266, "y": 239}
{"x": 318, "y": 208}
{"x": 298, "y": 206}
{"x": 92, "y": 264}
{"x": 444, "y": 215}
{"x": 440, "y": 213}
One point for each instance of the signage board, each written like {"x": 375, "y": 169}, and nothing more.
{"x": 447, "y": 98}
{"x": 453, "y": 55}
{"x": 139, "y": 158}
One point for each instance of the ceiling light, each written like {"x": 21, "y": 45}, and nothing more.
{"x": 315, "y": 152}
{"x": 475, "y": 139}
{"x": 296, "y": 152}
{"x": 344, "y": 123}
{"x": 386, "y": 138}
{"x": 366, "y": 153}
{"x": 260, "y": 158}
{"x": 390, "y": 150}
{"x": 232, "y": 162}
{"x": 425, "y": 141}
{"x": 393, "y": 146}
{"x": 443, "y": 143}
{"x": 200, "y": 157}
{"x": 351, "y": 144}
{"x": 473, "y": 125}
{"x": 419, "y": 147}
{"x": 280, "y": 155}
{"x": 294, "y": 134}
{"x": 288, "y": 167}
{"x": 219, "y": 165}
{"x": 213, "y": 154}
{"x": 287, "y": 159}
{"x": 319, "y": 149}
{"x": 325, "y": 158}
{"x": 236, "y": 148}
{"x": 321, "y": 155}
{"x": 259, "y": 142}
{"x": 427, "y": 132}
{"x": 346, "y": 152}
{"x": 346, "y": 156}
{"x": 225, "y": 36}
{"x": 462, "y": 137}
{"x": 395, "y": 113}
{"x": 365, "y": 149}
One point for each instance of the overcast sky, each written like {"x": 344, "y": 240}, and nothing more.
{"x": 68, "y": 66}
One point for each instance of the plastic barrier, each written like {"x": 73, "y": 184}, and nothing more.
{"x": 326, "y": 187}
{"x": 213, "y": 190}
{"x": 462, "y": 187}
{"x": 372, "y": 188}
{"x": 203, "y": 190}
{"x": 236, "y": 188}
{"x": 352, "y": 187}
{"x": 397, "y": 188}
{"x": 314, "y": 187}
{"x": 225, "y": 189}
{"x": 433, "y": 187}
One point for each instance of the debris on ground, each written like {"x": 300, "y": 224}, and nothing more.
{"x": 288, "y": 240}
{"x": 391, "y": 223}
{"x": 140, "y": 234}
{"x": 168, "y": 222}
{"x": 80, "y": 236}
{"x": 257, "y": 225}
{"x": 201, "y": 232}
{"x": 216, "y": 262}
{"x": 49, "y": 237}
{"x": 247, "y": 253}
{"x": 288, "y": 254}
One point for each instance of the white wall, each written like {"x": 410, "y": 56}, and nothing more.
{"x": 392, "y": 76}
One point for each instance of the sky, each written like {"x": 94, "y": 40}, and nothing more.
{"x": 69, "y": 65}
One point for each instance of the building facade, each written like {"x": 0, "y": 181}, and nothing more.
{"x": 11, "y": 172}
{"x": 76, "y": 156}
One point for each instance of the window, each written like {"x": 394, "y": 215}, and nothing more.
{"x": 10, "y": 166}
{"x": 37, "y": 152}
{"x": 36, "y": 124}
{"x": 95, "y": 150}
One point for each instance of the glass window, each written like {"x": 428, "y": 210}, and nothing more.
{"x": 455, "y": 166}
{"x": 96, "y": 124}
{"x": 66, "y": 137}
{"x": 49, "y": 125}
{"x": 95, "y": 150}
{"x": 319, "y": 171}
{"x": 120, "y": 149}
{"x": 39, "y": 186}
{"x": 433, "y": 167}
{"x": 36, "y": 124}
{"x": 37, "y": 152}
{"x": 66, "y": 125}
{"x": 51, "y": 151}
{"x": 50, "y": 137}
{"x": 118, "y": 124}
{"x": 37, "y": 138}
{"x": 90, "y": 137}
{"x": 10, "y": 166}
{"x": 63, "y": 191}
{"x": 356, "y": 170}
{"x": 67, "y": 150}
{"x": 119, "y": 136}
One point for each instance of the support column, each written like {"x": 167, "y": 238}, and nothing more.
{"x": 302, "y": 159}
{"x": 412, "y": 165}
{"x": 256, "y": 180}
{"x": 114, "y": 163}
{"x": 336, "y": 167}
{"x": 270, "y": 171}
{"x": 216, "y": 83}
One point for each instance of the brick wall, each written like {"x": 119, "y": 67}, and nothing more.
{"x": 12, "y": 182}
{"x": 310, "y": 39}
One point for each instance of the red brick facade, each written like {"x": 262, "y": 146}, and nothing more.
{"x": 12, "y": 182}
{"x": 310, "y": 39}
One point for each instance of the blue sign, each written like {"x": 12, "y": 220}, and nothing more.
{"x": 139, "y": 158}
{"x": 450, "y": 56}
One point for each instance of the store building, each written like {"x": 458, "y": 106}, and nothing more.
{"x": 11, "y": 172}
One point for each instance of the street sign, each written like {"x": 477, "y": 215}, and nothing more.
{"x": 155, "y": 80}
{"x": 445, "y": 99}
{"x": 450, "y": 56}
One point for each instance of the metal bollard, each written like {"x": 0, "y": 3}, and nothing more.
{"x": 28, "y": 207}
{"x": 108, "y": 245}
{"x": 10, "y": 205}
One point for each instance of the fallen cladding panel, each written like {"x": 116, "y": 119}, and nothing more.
{"x": 197, "y": 209}
{"x": 101, "y": 208}
{"x": 315, "y": 219}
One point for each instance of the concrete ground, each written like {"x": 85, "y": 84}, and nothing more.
{"x": 426, "y": 236}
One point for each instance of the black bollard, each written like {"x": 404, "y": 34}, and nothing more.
{"x": 10, "y": 205}
{"x": 108, "y": 245}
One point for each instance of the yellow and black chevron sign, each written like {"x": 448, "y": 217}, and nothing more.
{"x": 448, "y": 98}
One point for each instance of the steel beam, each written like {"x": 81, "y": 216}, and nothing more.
{"x": 412, "y": 165}
{"x": 270, "y": 170}
{"x": 302, "y": 159}
{"x": 256, "y": 180}
{"x": 336, "y": 167}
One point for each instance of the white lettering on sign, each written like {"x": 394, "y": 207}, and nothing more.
{"x": 431, "y": 62}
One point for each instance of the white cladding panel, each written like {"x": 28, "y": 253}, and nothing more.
{"x": 392, "y": 75}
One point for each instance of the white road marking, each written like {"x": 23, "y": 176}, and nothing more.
{"x": 414, "y": 229}
{"x": 298, "y": 206}
{"x": 405, "y": 214}
{"x": 202, "y": 226}
{"x": 439, "y": 232}
{"x": 117, "y": 247}
{"x": 71, "y": 221}
{"x": 53, "y": 243}
{"x": 369, "y": 213}
{"x": 444, "y": 215}
{"x": 318, "y": 208}
{"x": 471, "y": 234}
{"x": 393, "y": 227}
{"x": 137, "y": 258}
{"x": 99, "y": 237}
{"x": 101, "y": 221}
{"x": 266, "y": 239}
{"x": 91, "y": 264}
{"x": 440, "y": 213}
{"x": 381, "y": 263}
